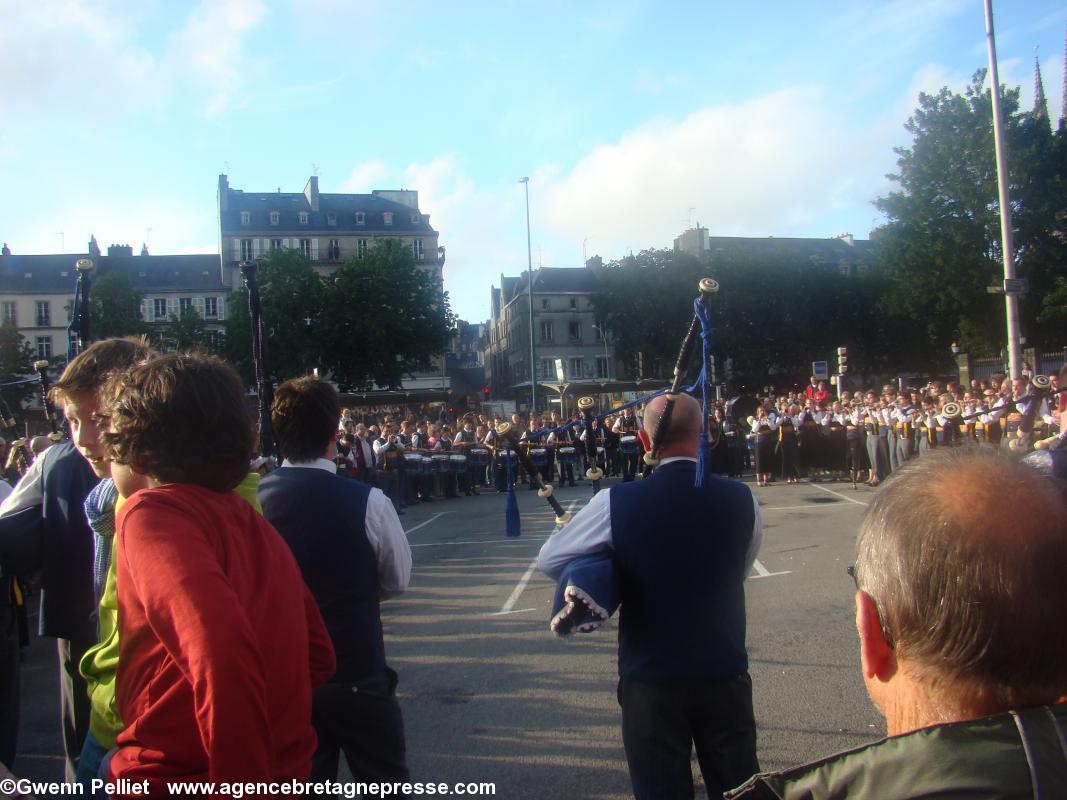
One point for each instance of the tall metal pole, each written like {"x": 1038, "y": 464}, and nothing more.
{"x": 529, "y": 287}
{"x": 1011, "y": 300}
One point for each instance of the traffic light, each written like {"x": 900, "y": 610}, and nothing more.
{"x": 842, "y": 360}
{"x": 485, "y": 392}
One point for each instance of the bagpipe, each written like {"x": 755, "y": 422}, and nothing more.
{"x": 261, "y": 374}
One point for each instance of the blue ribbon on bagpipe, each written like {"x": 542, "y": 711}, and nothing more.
{"x": 20, "y": 382}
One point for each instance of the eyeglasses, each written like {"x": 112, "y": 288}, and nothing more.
{"x": 851, "y": 570}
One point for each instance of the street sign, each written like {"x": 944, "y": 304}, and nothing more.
{"x": 820, "y": 369}
{"x": 1016, "y": 286}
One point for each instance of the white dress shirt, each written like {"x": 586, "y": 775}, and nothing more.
{"x": 384, "y": 532}
{"x": 590, "y": 532}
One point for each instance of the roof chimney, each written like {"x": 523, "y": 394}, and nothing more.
{"x": 144, "y": 248}
{"x": 224, "y": 193}
{"x": 119, "y": 250}
{"x": 6, "y": 251}
{"x": 94, "y": 248}
{"x": 311, "y": 192}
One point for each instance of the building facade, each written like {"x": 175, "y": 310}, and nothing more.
{"x": 565, "y": 329}
{"x": 330, "y": 229}
{"x": 37, "y": 291}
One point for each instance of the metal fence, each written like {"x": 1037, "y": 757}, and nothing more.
{"x": 1051, "y": 363}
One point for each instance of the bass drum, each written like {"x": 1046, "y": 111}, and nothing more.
{"x": 740, "y": 408}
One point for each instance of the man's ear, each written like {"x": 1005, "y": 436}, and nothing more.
{"x": 877, "y": 656}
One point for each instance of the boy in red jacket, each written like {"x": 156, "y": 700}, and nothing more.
{"x": 221, "y": 642}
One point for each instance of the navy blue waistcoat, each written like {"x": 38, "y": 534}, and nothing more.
{"x": 55, "y": 538}
{"x": 323, "y": 519}
{"x": 680, "y": 560}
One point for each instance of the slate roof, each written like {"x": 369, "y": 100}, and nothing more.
{"x": 344, "y": 206}
{"x": 54, "y": 274}
{"x": 829, "y": 251}
{"x": 555, "y": 280}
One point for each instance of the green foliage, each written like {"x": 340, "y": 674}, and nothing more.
{"x": 186, "y": 331}
{"x": 373, "y": 321}
{"x": 941, "y": 244}
{"x": 382, "y": 318}
{"x": 115, "y": 307}
{"x": 16, "y": 362}
{"x": 773, "y": 315}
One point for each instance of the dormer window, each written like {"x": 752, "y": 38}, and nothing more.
{"x": 303, "y": 218}
{"x": 416, "y": 219}
{"x": 387, "y": 217}
{"x": 246, "y": 217}
{"x": 361, "y": 218}
{"x": 331, "y": 219}
{"x": 274, "y": 217}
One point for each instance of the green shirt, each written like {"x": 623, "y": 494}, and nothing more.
{"x": 100, "y": 663}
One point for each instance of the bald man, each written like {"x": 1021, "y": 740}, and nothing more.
{"x": 961, "y": 649}
{"x": 681, "y": 555}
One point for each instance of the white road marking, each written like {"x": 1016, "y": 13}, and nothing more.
{"x": 763, "y": 572}
{"x": 427, "y": 522}
{"x": 809, "y": 507}
{"x": 516, "y": 593}
{"x": 838, "y": 494}
{"x": 513, "y": 540}
{"x": 515, "y": 611}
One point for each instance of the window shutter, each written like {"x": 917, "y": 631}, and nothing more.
{"x": 255, "y": 248}
{"x": 144, "y": 308}
{"x": 285, "y": 243}
{"x": 220, "y": 305}
{"x": 172, "y": 306}
{"x": 314, "y": 249}
{"x": 236, "y": 249}
{"x": 198, "y": 306}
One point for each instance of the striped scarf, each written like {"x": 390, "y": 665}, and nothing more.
{"x": 100, "y": 512}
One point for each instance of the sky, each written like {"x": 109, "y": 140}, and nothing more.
{"x": 633, "y": 119}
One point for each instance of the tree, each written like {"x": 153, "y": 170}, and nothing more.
{"x": 382, "y": 318}
{"x": 115, "y": 307}
{"x": 16, "y": 362}
{"x": 941, "y": 244}
{"x": 290, "y": 294}
{"x": 185, "y": 331}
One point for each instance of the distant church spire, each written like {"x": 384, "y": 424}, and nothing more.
{"x": 1040, "y": 103}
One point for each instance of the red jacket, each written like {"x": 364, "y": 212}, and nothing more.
{"x": 221, "y": 643}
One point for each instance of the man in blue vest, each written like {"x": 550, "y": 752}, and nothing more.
{"x": 680, "y": 555}
{"x": 352, "y": 552}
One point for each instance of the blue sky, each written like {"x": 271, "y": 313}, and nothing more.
{"x": 633, "y": 119}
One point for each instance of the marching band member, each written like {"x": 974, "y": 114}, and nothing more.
{"x": 389, "y": 452}
{"x": 903, "y": 424}
{"x": 787, "y": 444}
{"x": 627, "y": 426}
{"x": 836, "y": 443}
{"x": 463, "y": 442}
{"x": 855, "y": 438}
{"x": 763, "y": 431}
{"x": 810, "y": 438}
{"x": 443, "y": 447}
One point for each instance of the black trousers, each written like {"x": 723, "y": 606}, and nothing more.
{"x": 73, "y": 701}
{"x": 661, "y": 723}
{"x": 9, "y": 677}
{"x": 364, "y": 721}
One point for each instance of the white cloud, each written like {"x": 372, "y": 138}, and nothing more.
{"x": 771, "y": 166}
{"x": 364, "y": 177}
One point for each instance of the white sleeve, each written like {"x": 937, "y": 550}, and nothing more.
{"x": 617, "y": 426}
{"x": 377, "y": 446}
{"x": 390, "y": 544}
{"x": 28, "y": 492}
{"x": 757, "y": 538}
{"x": 458, "y": 439}
{"x": 588, "y": 532}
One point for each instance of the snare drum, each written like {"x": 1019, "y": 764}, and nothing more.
{"x": 479, "y": 457}
{"x": 539, "y": 457}
{"x": 412, "y": 463}
{"x": 440, "y": 463}
{"x": 459, "y": 464}
{"x": 426, "y": 466}
{"x": 567, "y": 455}
{"x": 628, "y": 445}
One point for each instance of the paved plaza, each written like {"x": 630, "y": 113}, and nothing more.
{"x": 490, "y": 695}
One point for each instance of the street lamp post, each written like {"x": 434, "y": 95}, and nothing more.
{"x": 529, "y": 289}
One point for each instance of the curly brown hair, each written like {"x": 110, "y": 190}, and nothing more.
{"x": 181, "y": 418}
{"x": 304, "y": 417}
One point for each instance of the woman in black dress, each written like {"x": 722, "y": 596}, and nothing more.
{"x": 788, "y": 445}
{"x": 763, "y": 429}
